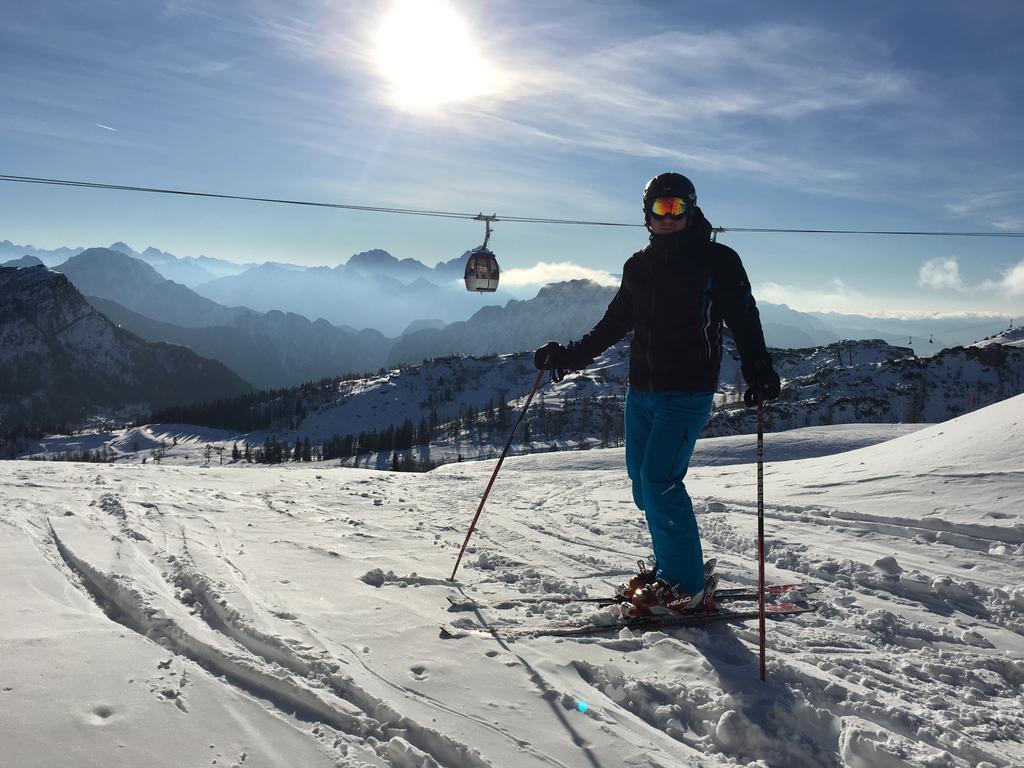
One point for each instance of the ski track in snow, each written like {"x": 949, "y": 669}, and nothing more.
{"x": 317, "y": 594}
{"x": 314, "y": 690}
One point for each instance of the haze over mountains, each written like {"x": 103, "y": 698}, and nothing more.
{"x": 266, "y": 349}
{"x": 376, "y": 290}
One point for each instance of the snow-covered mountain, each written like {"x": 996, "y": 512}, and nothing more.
{"x": 842, "y": 383}
{"x": 837, "y": 383}
{"x": 1011, "y": 337}
{"x": 61, "y": 360}
{"x": 468, "y": 403}
{"x": 925, "y": 335}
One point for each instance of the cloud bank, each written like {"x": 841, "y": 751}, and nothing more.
{"x": 940, "y": 274}
{"x": 943, "y": 274}
{"x": 543, "y": 273}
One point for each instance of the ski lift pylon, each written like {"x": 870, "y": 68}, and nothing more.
{"x": 482, "y": 266}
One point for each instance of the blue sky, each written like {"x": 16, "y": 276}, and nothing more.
{"x": 874, "y": 115}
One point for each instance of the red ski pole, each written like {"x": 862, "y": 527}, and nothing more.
{"x": 479, "y": 509}
{"x": 760, "y": 526}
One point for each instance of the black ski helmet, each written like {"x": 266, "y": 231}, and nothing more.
{"x": 669, "y": 184}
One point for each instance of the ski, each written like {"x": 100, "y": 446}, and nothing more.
{"x": 732, "y": 594}
{"x": 646, "y": 623}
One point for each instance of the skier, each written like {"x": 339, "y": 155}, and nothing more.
{"x": 674, "y": 296}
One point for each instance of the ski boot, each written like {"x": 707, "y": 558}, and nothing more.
{"x": 625, "y": 591}
{"x": 659, "y": 598}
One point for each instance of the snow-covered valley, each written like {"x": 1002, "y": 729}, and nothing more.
{"x": 170, "y": 615}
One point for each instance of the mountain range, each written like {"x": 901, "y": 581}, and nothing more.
{"x": 376, "y": 290}
{"x": 271, "y": 349}
{"x": 62, "y": 361}
{"x": 280, "y": 347}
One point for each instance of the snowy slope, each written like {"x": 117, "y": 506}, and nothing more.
{"x": 863, "y": 382}
{"x": 1011, "y": 337}
{"x": 288, "y": 616}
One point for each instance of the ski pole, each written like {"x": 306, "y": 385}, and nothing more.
{"x": 479, "y": 509}
{"x": 760, "y": 527}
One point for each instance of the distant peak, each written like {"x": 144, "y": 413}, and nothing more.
{"x": 579, "y": 285}
{"x": 24, "y": 261}
{"x": 103, "y": 253}
{"x": 375, "y": 256}
{"x": 122, "y": 247}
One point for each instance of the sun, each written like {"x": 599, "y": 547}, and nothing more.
{"x": 427, "y": 53}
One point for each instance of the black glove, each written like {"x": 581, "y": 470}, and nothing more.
{"x": 552, "y": 357}
{"x": 761, "y": 380}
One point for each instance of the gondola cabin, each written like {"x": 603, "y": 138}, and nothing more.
{"x": 482, "y": 271}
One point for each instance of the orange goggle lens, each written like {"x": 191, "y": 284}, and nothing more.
{"x": 669, "y": 206}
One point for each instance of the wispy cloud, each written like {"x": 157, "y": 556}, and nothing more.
{"x": 796, "y": 105}
{"x": 999, "y": 206}
{"x": 615, "y": 93}
{"x": 698, "y": 111}
{"x": 781, "y": 71}
{"x": 1015, "y": 223}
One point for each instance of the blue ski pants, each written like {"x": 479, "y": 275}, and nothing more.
{"x": 661, "y": 430}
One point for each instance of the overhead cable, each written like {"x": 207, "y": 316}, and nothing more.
{"x": 469, "y": 216}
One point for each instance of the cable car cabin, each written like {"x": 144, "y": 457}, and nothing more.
{"x": 482, "y": 271}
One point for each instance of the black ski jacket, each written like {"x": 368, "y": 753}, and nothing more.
{"x": 674, "y": 296}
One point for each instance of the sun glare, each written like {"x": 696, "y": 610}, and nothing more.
{"x": 427, "y": 53}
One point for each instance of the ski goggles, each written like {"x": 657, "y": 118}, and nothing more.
{"x": 676, "y": 207}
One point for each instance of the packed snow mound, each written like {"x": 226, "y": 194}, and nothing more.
{"x": 990, "y": 437}
{"x": 946, "y": 484}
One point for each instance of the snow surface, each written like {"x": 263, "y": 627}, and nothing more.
{"x": 1011, "y": 337}
{"x": 173, "y": 615}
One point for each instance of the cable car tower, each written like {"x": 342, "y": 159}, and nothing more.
{"x": 482, "y": 267}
